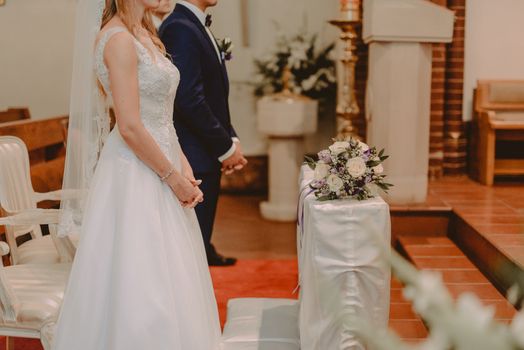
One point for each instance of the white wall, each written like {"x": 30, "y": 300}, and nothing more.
{"x": 36, "y": 45}
{"x": 494, "y": 44}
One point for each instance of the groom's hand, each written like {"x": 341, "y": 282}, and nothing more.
{"x": 235, "y": 162}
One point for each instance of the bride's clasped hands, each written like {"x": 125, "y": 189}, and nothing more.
{"x": 185, "y": 187}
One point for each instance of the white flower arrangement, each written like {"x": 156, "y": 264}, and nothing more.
{"x": 312, "y": 69}
{"x": 348, "y": 169}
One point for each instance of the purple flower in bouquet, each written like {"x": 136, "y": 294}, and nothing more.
{"x": 324, "y": 156}
{"x": 366, "y": 154}
{"x": 318, "y": 183}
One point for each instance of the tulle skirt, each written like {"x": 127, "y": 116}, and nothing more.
{"x": 140, "y": 278}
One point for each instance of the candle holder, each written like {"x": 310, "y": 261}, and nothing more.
{"x": 347, "y": 107}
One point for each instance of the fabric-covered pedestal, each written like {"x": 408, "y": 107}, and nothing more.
{"x": 342, "y": 273}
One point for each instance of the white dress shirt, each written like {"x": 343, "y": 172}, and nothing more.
{"x": 201, "y": 15}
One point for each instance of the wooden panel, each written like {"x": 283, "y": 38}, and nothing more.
{"x": 509, "y": 166}
{"x": 422, "y": 223}
{"x": 511, "y": 135}
{"x": 36, "y": 133}
{"x": 13, "y": 114}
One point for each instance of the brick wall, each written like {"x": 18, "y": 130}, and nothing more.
{"x": 447, "y": 138}
{"x": 455, "y": 142}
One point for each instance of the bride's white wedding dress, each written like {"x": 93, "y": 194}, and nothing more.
{"x": 140, "y": 278}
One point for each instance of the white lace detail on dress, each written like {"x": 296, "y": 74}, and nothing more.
{"x": 158, "y": 80}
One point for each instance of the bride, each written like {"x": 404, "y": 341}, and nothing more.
{"x": 140, "y": 278}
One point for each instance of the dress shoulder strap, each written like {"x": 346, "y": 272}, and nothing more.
{"x": 107, "y": 35}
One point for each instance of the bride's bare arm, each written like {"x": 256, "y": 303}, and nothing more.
{"x": 122, "y": 63}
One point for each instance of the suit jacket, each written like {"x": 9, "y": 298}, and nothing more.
{"x": 201, "y": 114}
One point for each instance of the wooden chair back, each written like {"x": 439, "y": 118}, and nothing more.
{"x": 16, "y": 190}
{"x": 44, "y": 140}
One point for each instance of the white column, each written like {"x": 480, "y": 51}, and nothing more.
{"x": 400, "y": 33}
{"x": 399, "y": 97}
{"x": 285, "y": 157}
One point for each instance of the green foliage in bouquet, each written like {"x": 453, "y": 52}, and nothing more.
{"x": 312, "y": 69}
{"x": 348, "y": 169}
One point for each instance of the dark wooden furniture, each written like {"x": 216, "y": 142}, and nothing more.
{"x": 13, "y": 114}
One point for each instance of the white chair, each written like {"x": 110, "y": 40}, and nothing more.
{"x": 17, "y": 196}
{"x": 30, "y": 298}
{"x": 261, "y": 324}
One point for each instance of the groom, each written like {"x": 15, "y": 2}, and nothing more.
{"x": 201, "y": 117}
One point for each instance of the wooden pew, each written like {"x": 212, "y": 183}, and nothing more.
{"x": 13, "y": 114}
{"x": 497, "y": 130}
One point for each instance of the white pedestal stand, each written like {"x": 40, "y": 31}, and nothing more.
{"x": 285, "y": 119}
{"x": 400, "y": 33}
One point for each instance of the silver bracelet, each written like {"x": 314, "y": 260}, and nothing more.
{"x": 165, "y": 177}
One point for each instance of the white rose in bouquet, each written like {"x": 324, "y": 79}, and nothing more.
{"x": 321, "y": 171}
{"x": 356, "y": 167}
{"x": 379, "y": 169}
{"x": 363, "y": 146}
{"x": 335, "y": 183}
{"x": 339, "y": 147}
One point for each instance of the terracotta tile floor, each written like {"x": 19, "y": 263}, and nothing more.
{"x": 496, "y": 212}
{"x": 459, "y": 274}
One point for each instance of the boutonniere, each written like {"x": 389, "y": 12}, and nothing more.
{"x": 226, "y": 49}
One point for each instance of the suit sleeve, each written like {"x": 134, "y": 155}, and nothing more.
{"x": 233, "y": 133}
{"x": 182, "y": 44}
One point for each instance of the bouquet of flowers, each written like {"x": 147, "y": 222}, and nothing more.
{"x": 312, "y": 69}
{"x": 348, "y": 169}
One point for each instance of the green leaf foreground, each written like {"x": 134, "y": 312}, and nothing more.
{"x": 310, "y": 162}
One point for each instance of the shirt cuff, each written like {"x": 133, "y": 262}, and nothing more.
{"x": 228, "y": 154}
{"x": 235, "y": 139}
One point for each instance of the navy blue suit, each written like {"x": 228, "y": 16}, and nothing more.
{"x": 201, "y": 114}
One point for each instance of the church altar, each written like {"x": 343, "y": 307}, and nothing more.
{"x": 342, "y": 274}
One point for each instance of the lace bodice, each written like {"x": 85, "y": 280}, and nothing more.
{"x": 158, "y": 80}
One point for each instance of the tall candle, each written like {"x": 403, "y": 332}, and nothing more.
{"x": 350, "y": 9}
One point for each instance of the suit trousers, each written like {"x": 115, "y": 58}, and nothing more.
{"x": 206, "y": 211}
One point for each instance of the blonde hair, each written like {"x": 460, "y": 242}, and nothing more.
{"x": 124, "y": 10}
